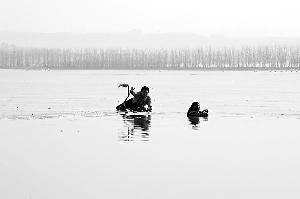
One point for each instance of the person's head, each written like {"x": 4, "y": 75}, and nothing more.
{"x": 195, "y": 106}
{"x": 145, "y": 91}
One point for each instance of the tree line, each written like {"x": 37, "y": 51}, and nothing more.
{"x": 203, "y": 58}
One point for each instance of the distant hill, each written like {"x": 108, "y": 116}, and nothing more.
{"x": 136, "y": 39}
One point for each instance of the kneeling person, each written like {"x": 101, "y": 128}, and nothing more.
{"x": 194, "y": 111}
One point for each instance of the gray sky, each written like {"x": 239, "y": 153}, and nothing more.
{"x": 205, "y": 17}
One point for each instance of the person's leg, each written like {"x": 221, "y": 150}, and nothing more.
{"x": 121, "y": 107}
{"x": 125, "y": 105}
{"x": 128, "y": 104}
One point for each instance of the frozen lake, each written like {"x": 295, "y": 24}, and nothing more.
{"x": 60, "y": 136}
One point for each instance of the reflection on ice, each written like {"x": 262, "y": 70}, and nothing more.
{"x": 136, "y": 127}
{"x": 195, "y": 121}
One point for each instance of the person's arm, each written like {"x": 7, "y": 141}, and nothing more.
{"x": 149, "y": 103}
{"x": 193, "y": 113}
{"x": 132, "y": 92}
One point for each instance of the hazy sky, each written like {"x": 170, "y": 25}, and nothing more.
{"x": 205, "y": 17}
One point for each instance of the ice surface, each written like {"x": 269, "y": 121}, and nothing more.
{"x": 60, "y": 136}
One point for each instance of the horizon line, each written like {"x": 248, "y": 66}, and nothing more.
{"x": 139, "y": 32}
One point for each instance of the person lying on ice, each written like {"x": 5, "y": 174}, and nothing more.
{"x": 141, "y": 101}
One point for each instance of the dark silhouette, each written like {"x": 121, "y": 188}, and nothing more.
{"x": 140, "y": 102}
{"x": 194, "y": 111}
